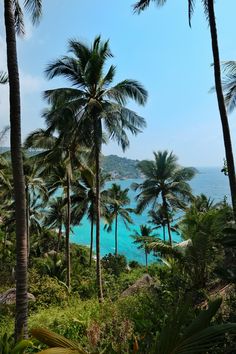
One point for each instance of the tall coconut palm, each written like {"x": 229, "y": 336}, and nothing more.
{"x": 159, "y": 220}
{"x": 85, "y": 188}
{"x": 143, "y": 238}
{"x": 164, "y": 180}
{"x": 118, "y": 200}
{"x": 14, "y": 24}
{"x": 58, "y": 160}
{"x": 35, "y": 189}
{"x": 94, "y": 101}
{"x": 56, "y": 217}
{"x": 210, "y": 15}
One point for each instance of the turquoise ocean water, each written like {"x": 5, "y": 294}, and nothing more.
{"x": 209, "y": 181}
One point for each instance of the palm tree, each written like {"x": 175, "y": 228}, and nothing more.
{"x": 118, "y": 200}
{"x": 35, "y": 191}
{"x": 14, "y": 24}
{"x": 60, "y": 158}
{"x": 158, "y": 218}
{"x": 97, "y": 105}
{"x": 144, "y": 238}
{"x": 167, "y": 181}
{"x": 203, "y": 226}
{"x": 85, "y": 197}
{"x": 210, "y": 15}
{"x": 56, "y": 217}
{"x": 202, "y": 203}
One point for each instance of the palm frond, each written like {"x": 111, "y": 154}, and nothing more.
{"x": 141, "y": 5}
{"x": 191, "y": 7}
{"x": 55, "y": 340}
{"x": 3, "y": 77}
{"x": 34, "y": 8}
{"x": 128, "y": 89}
{"x": 199, "y": 336}
{"x": 19, "y": 18}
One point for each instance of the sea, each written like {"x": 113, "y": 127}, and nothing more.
{"x": 209, "y": 181}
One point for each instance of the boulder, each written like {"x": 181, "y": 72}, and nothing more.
{"x": 9, "y": 297}
{"x": 144, "y": 282}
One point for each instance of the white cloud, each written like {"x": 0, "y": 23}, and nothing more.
{"x": 30, "y": 83}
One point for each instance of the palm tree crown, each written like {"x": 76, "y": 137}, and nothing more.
{"x": 92, "y": 91}
{"x": 229, "y": 84}
{"x": 144, "y": 237}
{"x": 118, "y": 200}
{"x": 164, "y": 180}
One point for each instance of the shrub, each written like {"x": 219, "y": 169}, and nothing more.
{"x": 114, "y": 264}
{"x": 47, "y": 290}
{"x": 134, "y": 264}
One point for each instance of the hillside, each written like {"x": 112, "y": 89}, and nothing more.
{"x": 118, "y": 167}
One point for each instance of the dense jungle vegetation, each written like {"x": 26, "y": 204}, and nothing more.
{"x": 63, "y": 298}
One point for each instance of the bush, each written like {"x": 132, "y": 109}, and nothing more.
{"x": 47, "y": 290}
{"x": 51, "y": 265}
{"x": 134, "y": 264}
{"x": 114, "y": 264}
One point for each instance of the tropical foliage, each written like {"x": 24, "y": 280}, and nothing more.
{"x": 167, "y": 304}
{"x": 165, "y": 184}
{"x": 117, "y": 208}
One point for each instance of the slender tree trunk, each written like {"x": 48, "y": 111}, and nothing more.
{"x": 169, "y": 229}
{"x": 18, "y": 174}
{"x": 116, "y": 235}
{"x": 27, "y": 220}
{"x": 68, "y": 267}
{"x": 146, "y": 258}
{"x": 165, "y": 207}
{"x": 4, "y": 244}
{"x": 98, "y": 211}
{"x": 59, "y": 238}
{"x": 164, "y": 233}
{"x": 221, "y": 105}
{"x": 91, "y": 241}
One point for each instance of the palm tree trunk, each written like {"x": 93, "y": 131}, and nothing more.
{"x": 164, "y": 233}
{"x": 4, "y": 244}
{"x": 168, "y": 228}
{"x": 18, "y": 174}
{"x": 91, "y": 241}
{"x": 98, "y": 211}
{"x": 68, "y": 270}
{"x": 221, "y": 105}
{"x": 146, "y": 258}
{"x": 27, "y": 219}
{"x": 116, "y": 235}
{"x": 165, "y": 207}
{"x": 59, "y": 238}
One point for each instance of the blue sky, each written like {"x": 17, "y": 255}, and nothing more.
{"x": 157, "y": 48}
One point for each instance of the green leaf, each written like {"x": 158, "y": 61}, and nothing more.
{"x": 58, "y": 350}
{"x": 204, "y": 318}
{"x": 21, "y": 346}
{"x": 55, "y": 340}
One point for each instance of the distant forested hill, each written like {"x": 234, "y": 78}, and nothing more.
{"x": 120, "y": 167}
